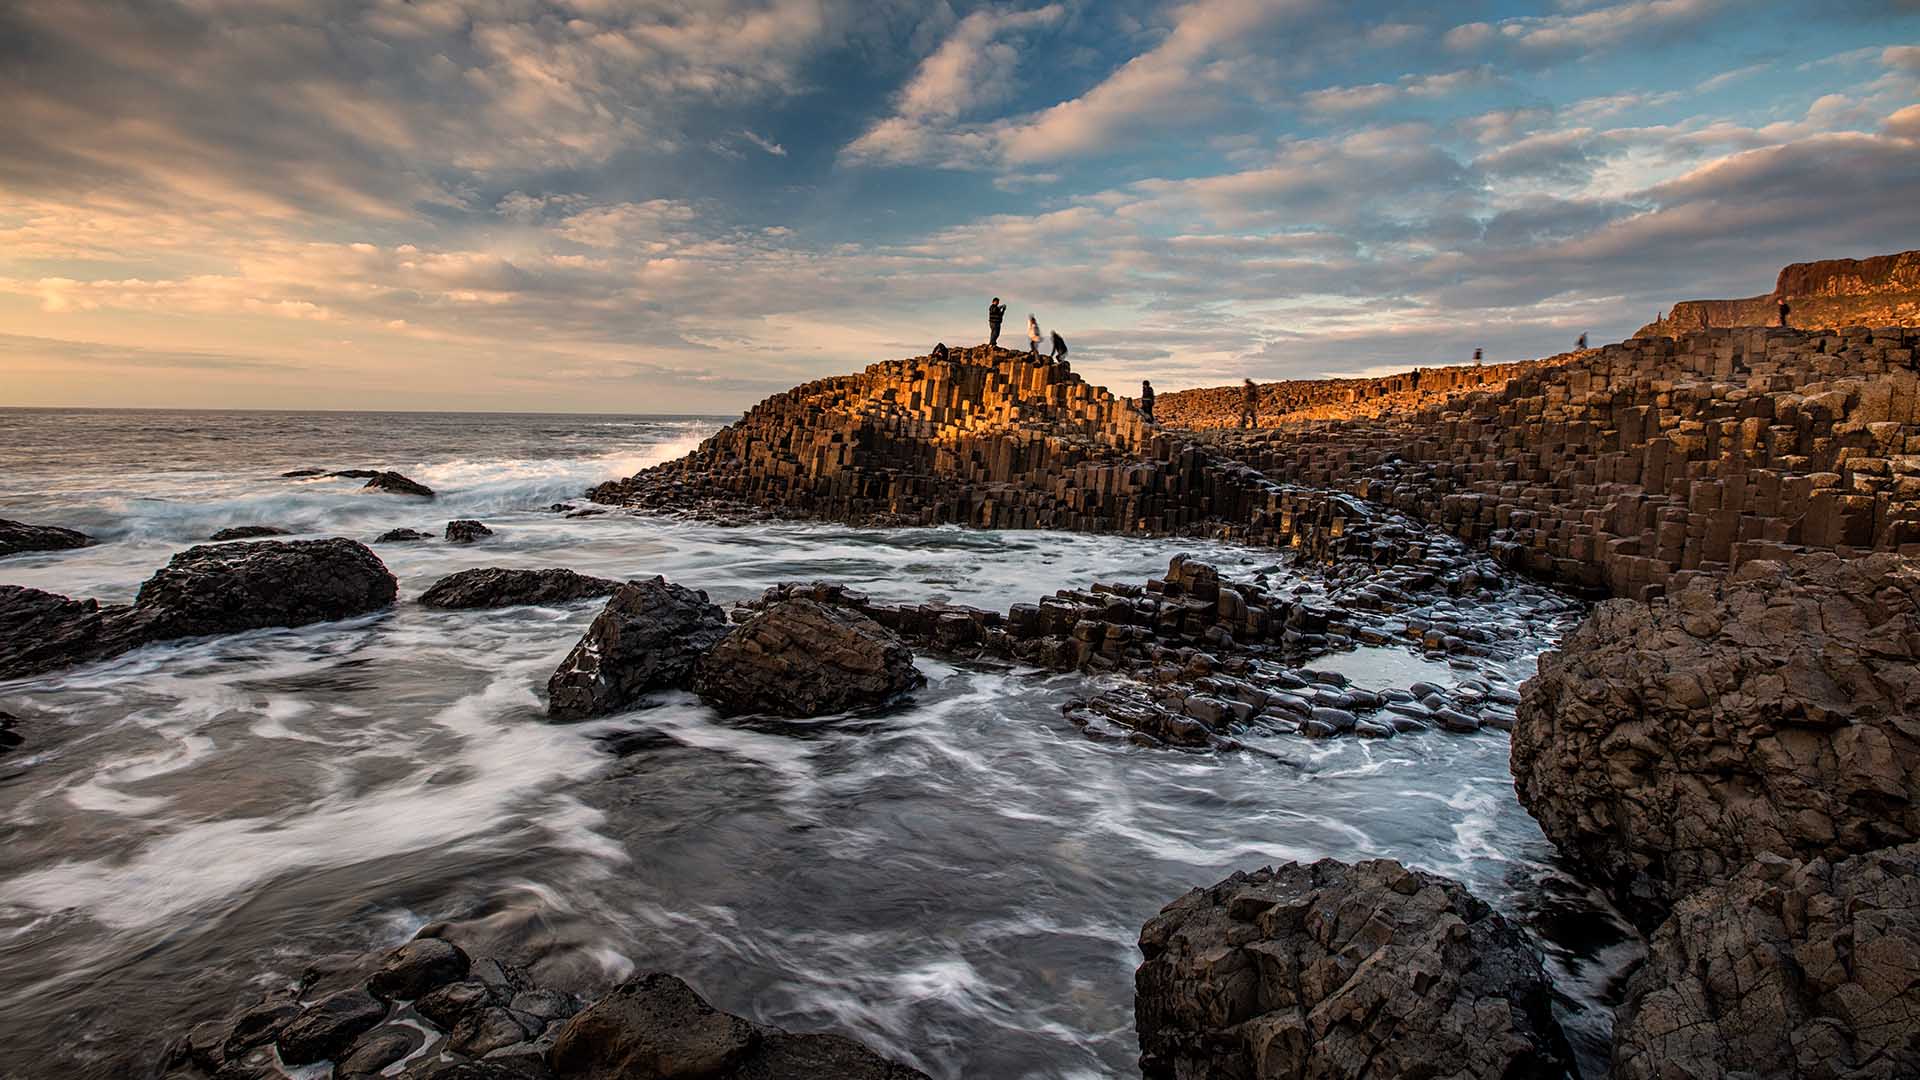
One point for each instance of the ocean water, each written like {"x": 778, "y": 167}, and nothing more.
{"x": 959, "y": 882}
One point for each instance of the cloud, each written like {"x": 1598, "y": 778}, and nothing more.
{"x": 1542, "y": 38}
{"x": 1345, "y": 100}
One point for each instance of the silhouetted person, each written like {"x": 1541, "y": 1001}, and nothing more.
{"x": 995, "y": 312}
{"x": 1059, "y": 346}
{"x": 1249, "y": 405}
{"x": 1582, "y": 343}
{"x": 1476, "y": 356}
{"x": 1033, "y": 336}
{"x": 1146, "y": 400}
{"x": 1785, "y": 309}
{"x": 940, "y": 351}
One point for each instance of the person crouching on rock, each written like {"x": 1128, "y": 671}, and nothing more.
{"x": 1033, "y": 336}
{"x": 1249, "y": 405}
{"x": 1146, "y": 400}
{"x": 1059, "y": 346}
{"x": 995, "y": 312}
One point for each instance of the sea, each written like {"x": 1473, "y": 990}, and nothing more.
{"x": 959, "y": 882}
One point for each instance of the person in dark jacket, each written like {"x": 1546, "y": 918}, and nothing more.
{"x": 940, "y": 351}
{"x": 1785, "y": 310}
{"x": 1582, "y": 343}
{"x": 1059, "y": 346}
{"x": 1146, "y": 400}
{"x": 995, "y": 312}
{"x": 1249, "y": 405}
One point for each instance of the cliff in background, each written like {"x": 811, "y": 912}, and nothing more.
{"x": 1337, "y": 399}
{"x": 1881, "y": 291}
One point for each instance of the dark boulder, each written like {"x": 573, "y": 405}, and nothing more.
{"x": 417, "y": 967}
{"x": 329, "y": 1026}
{"x": 1668, "y": 744}
{"x": 10, "y": 736}
{"x": 394, "y": 484}
{"x": 466, "y": 531}
{"x": 41, "y": 631}
{"x": 449, "y": 1004}
{"x": 228, "y": 588}
{"x": 302, "y": 474}
{"x": 18, "y": 536}
{"x": 360, "y": 474}
{"x": 247, "y": 532}
{"x": 802, "y": 658}
{"x": 655, "y": 1027}
{"x": 401, "y": 536}
{"x": 649, "y": 637}
{"x": 1789, "y": 969}
{"x": 378, "y": 1049}
{"x": 1337, "y": 970}
{"x": 495, "y": 587}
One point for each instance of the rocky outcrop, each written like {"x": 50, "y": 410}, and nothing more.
{"x": 648, "y": 638}
{"x": 1666, "y": 745}
{"x": 210, "y": 589}
{"x": 1880, "y": 291}
{"x": 800, "y": 658}
{"x": 1789, "y": 969}
{"x": 656, "y": 1026}
{"x": 1336, "y": 970}
{"x": 496, "y": 587}
{"x": 401, "y": 536}
{"x": 1296, "y": 400}
{"x": 394, "y": 484}
{"x": 247, "y": 532}
{"x": 466, "y": 531}
{"x": 449, "y": 1017}
{"x": 17, "y": 537}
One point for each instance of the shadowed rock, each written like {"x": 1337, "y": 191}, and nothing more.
{"x": 18, "y": 536}
{"x": 1788, "y": 970}
{"x": 401, "y": 536}
{"x": 1336, "y": 970}
{"x": 649, "y": 637}
{"x": 496, "y": 587}
{"x": 1665, "y": 745}
{"x": 466, "y": 531}
{"x": 395, "y": 484}
{"x": 802, "y": 658}
{"x": 247, "y": 532}
{"x": 329, "y": 1027}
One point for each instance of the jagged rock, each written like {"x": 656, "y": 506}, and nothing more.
{"x": 393, "y": 483}
{"x": 401, "y": 536}
{"x": 210, "y": 589}
{"x": 1787, "y": 970}
{"x": 649, "y": 637}
{"x": 1336, "y": 970}
{"x": 328, "y": 1026}
{"x": 10, "y": 736}
{"x": 447, "y": 1005}
{"x": 655, "y": 1027}
{"x": 466, "y": 531}
{"x": 419, "y": 966}
{"x": 247, "y": 532}
{"x": 495, "y": 587}
{"x": 1666, "y": 745}
{"x": 18, "y": 536}
{"x": 227, "y": 588}
{"x": 802, "y": 658}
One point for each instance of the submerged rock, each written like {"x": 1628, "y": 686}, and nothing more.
{"x": 1787, "y": 970}
{"x": 1337, "y": 970}
{"x": 803, "y": 658}
{"x": 466, "y": 531}
{"x": 649, "y": 637}
{"x": 395, "y": 484}
{"x": 18, "y": 536}
{"x": 1666, "y": 745}
{"x": 496, "y": 587}
{"x": 401, "y": 536}
{"x": 10, "y": 736}
{"x": 247, "y": 532}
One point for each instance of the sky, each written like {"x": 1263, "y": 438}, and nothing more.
{"x": 676, "y": 206}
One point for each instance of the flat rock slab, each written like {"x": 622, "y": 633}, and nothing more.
{"x": 496, "y": 587}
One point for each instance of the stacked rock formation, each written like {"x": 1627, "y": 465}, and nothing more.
{"x": 1881, "y": 291}
{"x": 1334, "y": 970}
{"x": 1296, "y": 400}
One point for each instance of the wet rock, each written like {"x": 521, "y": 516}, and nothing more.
{"x": 247, "y": 532}
{"x": 10, "y": 736}
{"x": 259, "y": 1025}
{"x": 376, "y": 1050}
{"x": 1324, "y": 722}
{"x": 228, "y": 588}
{"x": 401, "y": 536}
{"x": 655, "y": 1026}
{"x": 447, "y": 1005}
{"x": 338, "y": 971}
{"x": 1668, "y": 744}
{"x": 495, "y": 587}
{"x": 1789, "y": 969}
{"x": 1338, "y": 970}
{"x": 394, "y": 484}
{"x": 41, "y": 631}
{"x": 302, "y": 474}
{"x": 545, "y": 1004}
{"x": 417, "y": 967}
{"x": 359, "y": 474}
{"x": 18, "y": 536}
{"x": 466, "y": 531}
{"x": 649, "y": 637}
{"x": 802, "y": 658}
{"x": 485, "y": 1030}
{"x": 328, "y": 1027}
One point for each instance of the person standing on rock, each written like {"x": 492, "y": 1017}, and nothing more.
{"x": 1477, "y": 354}
{"x": 1059, "y": 346}
{"x": 995, "y": 312}
{"x": 1582, "y": 343}
{"x": 1146, "y": 400}
{"x": 1033, "y": 336}
{"x": 1785, "y": 309}
{"x": 1249, "y": 405}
